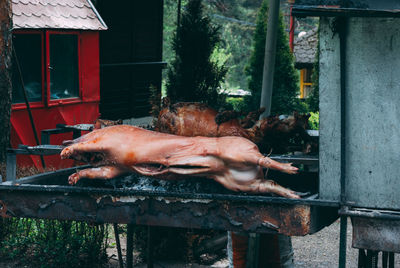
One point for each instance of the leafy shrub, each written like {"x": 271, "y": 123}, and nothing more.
{"x": 51, "y": 243}
{"x": 237, "y": 104}
{"x": 313, "y": 121}
{"x": 285, "y": 86}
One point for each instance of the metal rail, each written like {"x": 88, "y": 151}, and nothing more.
{"x": 161, "y": 64}
{"x": 305, "y": 160}
{"x": 20, "y": 186}
{"x": 370, "y": 213}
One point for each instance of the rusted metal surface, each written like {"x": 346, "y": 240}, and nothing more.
{"x": 240, "y": 212}
{"x": 153, "y": 211}
{"x": 376, "y": 234}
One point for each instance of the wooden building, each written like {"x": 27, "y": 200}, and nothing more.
{"x": 57, "y": 49}
{"x": 74, "y": 72}
{"x": 130, "y": 56}
{"x": 304, "y": 50}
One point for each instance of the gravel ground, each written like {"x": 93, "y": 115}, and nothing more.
{"x": 320, "y": 250}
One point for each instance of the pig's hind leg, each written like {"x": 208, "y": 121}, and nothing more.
{"x": 256, "y": 186}
{"x": 104, "y": 172}
{"x": 269, "y": 186}
{"x": 261, "y": 186}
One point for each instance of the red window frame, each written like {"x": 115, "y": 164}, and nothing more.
{"x": 46, "y": 101}
{"x": 56, "y": 102}
{"x": 35, "y": 104}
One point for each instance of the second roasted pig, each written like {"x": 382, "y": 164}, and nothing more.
{"x": 198, "y": 119}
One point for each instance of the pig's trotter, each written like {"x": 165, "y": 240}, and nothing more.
{"x": 73, "y": 179}
{"x": 283, "y": 167}
{"x": 270, "y": 186}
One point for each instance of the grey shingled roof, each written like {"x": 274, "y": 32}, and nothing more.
{"x": 56, "y": 14}
{"x": 305, "y": 48}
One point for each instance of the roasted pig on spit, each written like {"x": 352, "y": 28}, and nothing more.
{"x": 234, "y": 162}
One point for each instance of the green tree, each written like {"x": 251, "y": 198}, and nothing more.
{"x": 193, "y": 75}
{"x": 285, "y": 86}
{"x": 237, "y": 19}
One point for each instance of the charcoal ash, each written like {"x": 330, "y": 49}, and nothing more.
{"x": 137, "y": 182}
{"x": 190, "y": 185}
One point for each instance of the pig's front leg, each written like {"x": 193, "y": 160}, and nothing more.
{"x": 104, "y": 172}
{"x": 267, "y": 162}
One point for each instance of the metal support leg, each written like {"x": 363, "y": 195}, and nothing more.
{"x": 372, "y": 259}
{"x": 375, "y": 257}
{"x": 45, "y": 137}
{"x": 385, "y": 256}
{"x": 362, "y": 258}
{"x": 391, "y": 260}
{"x": 252, "y": 252}
{"x": 129, "y": 246}
{"x": 343, "y": 240}
{"x": 120, "y": 260}
{"x": 150, "y": 249}
{"x": 11, "y": 166}
{"x": 387, "y": 259}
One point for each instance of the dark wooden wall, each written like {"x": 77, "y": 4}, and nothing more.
{"x": 130, "y": 56}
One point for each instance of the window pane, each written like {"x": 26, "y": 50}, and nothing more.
{"x": 28, "y": 48}
{"x": 64, "y": 80}
{"x": 307, "y": 75}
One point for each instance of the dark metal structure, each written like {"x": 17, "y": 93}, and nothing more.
{"x": 192, "y": 203}
{"x": 48, "y": 196}
{"x": 358, "y": 157}
{"x": 354, "y": 8}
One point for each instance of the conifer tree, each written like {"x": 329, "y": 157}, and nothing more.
{"x": 285, "y": 85}
{"x": 193, "y": 75}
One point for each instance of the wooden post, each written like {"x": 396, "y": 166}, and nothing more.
{"x": 269, "y": 58}
{"x": 5, "y": 75}
{"x": 291, "y": 30}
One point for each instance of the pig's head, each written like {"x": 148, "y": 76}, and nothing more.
{"x": 148, "y": 153}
